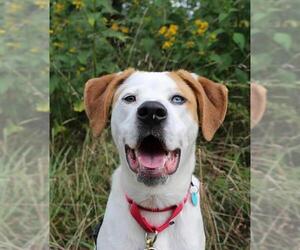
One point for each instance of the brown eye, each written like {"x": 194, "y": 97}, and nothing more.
{"x": 129, "y": 98}
{"x": 178, "y": 99}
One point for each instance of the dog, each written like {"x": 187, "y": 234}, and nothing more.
{"x": 154, "y": 201}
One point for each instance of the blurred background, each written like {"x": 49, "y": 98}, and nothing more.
{"x": 92, "y": 38}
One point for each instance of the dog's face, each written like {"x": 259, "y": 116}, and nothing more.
{"x": 155, "y": 118}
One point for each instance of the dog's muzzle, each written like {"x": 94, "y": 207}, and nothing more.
{"x": 151, "y": 160}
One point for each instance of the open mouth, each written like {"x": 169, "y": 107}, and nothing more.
{"x": 151, "y": 158}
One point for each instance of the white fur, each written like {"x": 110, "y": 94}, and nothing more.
{"x": 119, "y": 229}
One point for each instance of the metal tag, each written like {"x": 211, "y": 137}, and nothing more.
{"x": 149, "y": 241}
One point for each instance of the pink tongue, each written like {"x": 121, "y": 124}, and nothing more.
{"x": 151, "y": 161}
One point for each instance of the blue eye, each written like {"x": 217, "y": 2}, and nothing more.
{"x": 129, "y": 98}
{"x": 178, "y": 99}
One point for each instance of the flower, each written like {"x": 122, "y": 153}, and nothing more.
{"x": 190, "y": 44}
{"x": 202, "y": 26}
{"x": 78, "y": 4}
{"x": 2, "y": 31}
{"x": 42, "y": 4}
{"x": 124, "y": 29}
{"x": 162, "y": 30}
{"x": 167, "y": 45}
{"x": 115, "y": 26}
{"x": 171, "y": 31}
{"x": 58, "y": 7}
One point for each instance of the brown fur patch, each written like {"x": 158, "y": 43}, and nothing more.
{"x": 212, "y": 101}
{"x": 98, "y": 96}
{"x": 186, "y": 92}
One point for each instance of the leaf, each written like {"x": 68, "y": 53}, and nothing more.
{"x": 58, "y": 129}
{"x": 239, "y": 39}
{"x": 241, "y": 76}
{"x": 283, "y": 39}
{"x": 114, "y": 34}
{"x": 91, "y": 20}
{"x": 147, "y": 43}
{"x": 215, "y": 58}
{"x": 79, "y": 106}
{"x": 223, "y": 16}
{"x": 83, "y": 56}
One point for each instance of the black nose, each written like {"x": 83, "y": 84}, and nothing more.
{"x": 152, "y": 113}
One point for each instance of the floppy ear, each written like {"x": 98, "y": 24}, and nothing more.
{"x": 98, "y": 95}
{"x": 212, "y": 101}
{"x": 258, "y": 103}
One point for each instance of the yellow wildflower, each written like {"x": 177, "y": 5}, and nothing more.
{"x": 162, "y": 30}
{"x": 58, "y": 7}
{"x": 78, "y": 4}
{"x": 51, "y": 31}
{"x": 202, "y": 26}
{"x": 14, "y": 8}
{"x": 124, "y": 29}
{"x": 167, "y": 45}
{"x": 198, "y": 22}
{"x": 42, "y": 4}
{"x": 82, "y": 69}
{"x": 2, "y": 31}
{"x": 115, "y": 26}
{"x": 190, "y": 44}
{"x": 72, "y": 50}
{"x": 171, "y": 31}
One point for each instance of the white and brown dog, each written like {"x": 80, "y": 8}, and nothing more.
{"x": 154, "y": 199}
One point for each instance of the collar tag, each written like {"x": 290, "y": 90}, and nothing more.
{"x": 194, "y": 194}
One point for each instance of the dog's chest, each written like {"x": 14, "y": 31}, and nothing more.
{"x": 124, "y": 233}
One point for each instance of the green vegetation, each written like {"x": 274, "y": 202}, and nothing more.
{"x": 91, "y": 38}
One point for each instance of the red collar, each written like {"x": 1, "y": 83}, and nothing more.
{"x": 149, "y": 228}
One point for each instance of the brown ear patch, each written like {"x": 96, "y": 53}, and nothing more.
{"x": 258, "y": 103}
{"x": 186, "y": 92}
{"x": 98, "y": 96}
{"x": 212, "y": 101}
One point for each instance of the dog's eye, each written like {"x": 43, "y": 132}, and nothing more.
{"x": 129, "y": 98}
{"x": 178, "y": 99}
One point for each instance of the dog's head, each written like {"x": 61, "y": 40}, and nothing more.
{"x": 155, "y": 118}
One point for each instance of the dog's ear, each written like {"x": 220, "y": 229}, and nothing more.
{"x": 258, "y": 103}
{"x": 212, "y": 101}
{"x": 98, "y": 95}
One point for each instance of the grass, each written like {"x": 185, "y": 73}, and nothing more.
{"x": 24, "y": 192}
{"x": 80, "y": 183}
